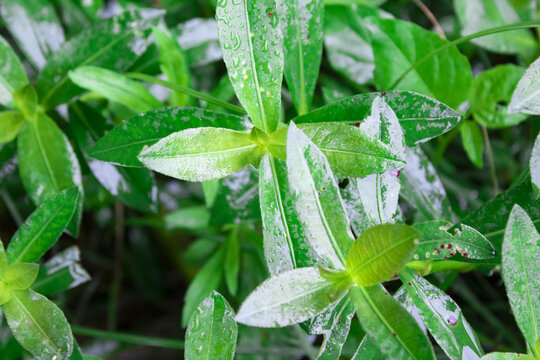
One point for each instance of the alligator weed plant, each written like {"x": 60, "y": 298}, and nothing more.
{"x": 301, "y": 158}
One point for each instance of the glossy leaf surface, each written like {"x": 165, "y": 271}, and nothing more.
{"x": 123, "y": 144}
{"x": 380, "y": 252}
{"x": 506, "y": 356}
{"x": 473, "y": 142}
{"x": 12, "y": 74}
{"x": 525, "y": 98}
{"x": 317, "y": 200}
{"x": 337, "y": 329}
{"x": 421, "y": 118}
{"x": 251, "y": 44}
{"x": 20, "y": 275}
{"x": 443, "y": 318}
{"x": 212, "y": 331}
{"x": 520, "y": 254}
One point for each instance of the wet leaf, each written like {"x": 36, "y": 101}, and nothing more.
{"x": 336, "y": 334}
{"x": 388, "y": 325}
{"x": 398, "y": 44}
{"x": 381, "y": 252}
{"x": 114, "y": 86}
{"x": 113, "y": 44}
{"x": 490, "y": 92}
{"x": 123, "y": 144}
{"x": 11, "y": 123}
{"x": 38, "y": 325}
{"x": 302, "y": 27}
{"x": 202, "y": 154}
{"x": 35, "y": 26}
{"x": 212, "y": 331}
{"x": 251, "y": 44}
{"x": 534, "y": 165}
{"x": 134, "y": 187}
{"x": 289, "y": 298}
{"x": 476, "y": 15}
{"x": 422, "y": 187}
{"x": 43, "y": 227}
{"x": 198, "y": 37}
{"x": 506, "y": 356}
{"x": 438, "y": 243}
{"x": 12, "y": 74}
{"x": 473, "y": 142}
{"x": 316, "y": 198}
{"x": 520, "y": 254}
{"x": 421, "y": 117}
{"x": 525, "y": 96}
{"x": 443, "y": 318}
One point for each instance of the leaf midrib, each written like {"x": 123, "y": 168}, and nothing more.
{"x": 239, "y": 149}
{"x": 43, "y": 154}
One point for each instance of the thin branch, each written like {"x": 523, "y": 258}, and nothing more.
{"x": 431, "y": 18}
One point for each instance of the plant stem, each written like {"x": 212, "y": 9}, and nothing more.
{"x": 495, "y": 30}
{"x": 118, "y": 262}
{"x": 431, "y": 17}
{"x": 491, "y": 161}
{"x": 12, "y": 208}
{"x": 182, "y": 89}
{"x": 128, "y": 338}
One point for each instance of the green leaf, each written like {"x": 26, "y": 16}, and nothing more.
{"x": 206, "y": 280}
{"x": 47, "y": 163}
{"x": 3, "y": 260}
{"x": 534, "y": 165}
{"x": 437, "y": 243}
{"x": 192, "y": 218}
{"x": 302, "y": 27}
{"x": 133, "y": 186}
{"x": 525, "y": 96}
{"x": 443, "y": 317}
{"x": 237, "y": 199}
{"x": 44, "y": 226}
{"x": 476, "y": 15}
{"x": 421, "y": 117}
{"x": 232, "y": 261}
{"x": 289, "y": 298}
{"x": 388, "y": 325}
{"x": 62, "y": 272}
{"x": 335, "y": 334}
{"x": 173, "y": 65}
{"x": 473, "y": 142}
{"x": 422, "y": 187}
{"x": 285, "y": 245}
{"x": 115, "y": 87}
{"x": 12, "y": 74}
{"x": 123, "y": 144}
{"x": 506, "y": 356}
{"x": 20, "y": 276}
{"x": 200, "y": 50}
{"x": 381, "y": 252}
{"x": 10, "y": 125}
{"x": 251, "y": 45}
{"x": 113, "y": 44}
{"x": 397, "y": 45}
{"x": 26, "y": 100}
{"x": 316, "y": 198}
{"x": 202, "y": 154}
{"x": 39, "y": 325}
{"x": 490, "y": 90}
{"x": 212, "y": 331}
{"x": 35, "y": 26}
{"x": 520, "y": 254}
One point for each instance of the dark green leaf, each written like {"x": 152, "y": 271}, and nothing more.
{"x": 473, "y": 142}
{"x": 12, "y": 74}
{"x": 200, "y": 50}
{"x": 251, "y": 45}
{"x": 123, "y": 144}
{"x": 421, "y": 117}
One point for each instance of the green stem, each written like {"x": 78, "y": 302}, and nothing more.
{"x": 128, "y": 338}
{"x": 182, "y": 89}
{"x": 310, "y": 351}
{"x": 495, "y": 30}
{"x": 491, "y": 161}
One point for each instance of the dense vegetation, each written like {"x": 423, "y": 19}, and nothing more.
{"x": 269, "y": 179}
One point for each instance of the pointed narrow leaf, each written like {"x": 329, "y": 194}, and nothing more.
{"x": 212, "y": 331}
{"x": 3, "y": 260}
{"x": 317, "y": 200}
{"x": 525, "y": 98}
{"x": 20, "y": 276}
{"x": 443, "y": 318}
{"x": 251, "y": 44}
{"x": 12, "y": 74}
{"x": 39, "y": 325}
{"x": 232, "y": 261}
{"x": 301, "y": 23}
{"x": 123, "y": 143}
{"x": 114, "y": 86}
{"x": 438, "y": 243}
{"x": 44, "y": 226}
{"x": 388, "y": 325}
{"x": 289, "y": 298}
{"x": 520, "y": 254}
{"x": 336, "y": 335}
{"x": 113, "y": 44}
{"x": 202, "y": 154}
{"x": 381, "y": 252}
{"x": 473, "y": 142}
{"x": 421, "y": 118}
{"x": 11, "y": 123}
{"x": 534, "y": 164}
{"x": 506, "y": 356}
